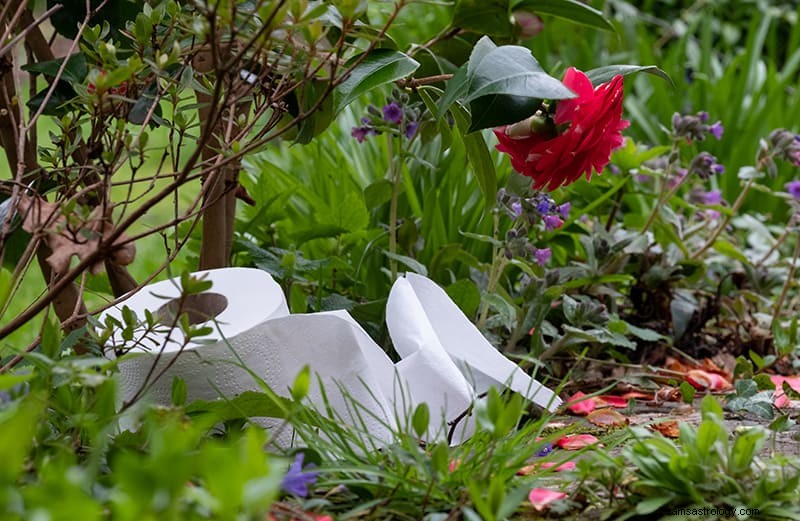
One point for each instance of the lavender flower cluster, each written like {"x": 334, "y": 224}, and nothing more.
{"x": 695, "y": 127}
{"x": 399, "y": 115}
{"x": 539, "y": 207}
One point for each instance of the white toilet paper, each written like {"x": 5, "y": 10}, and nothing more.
{"x": 445, "y": 362}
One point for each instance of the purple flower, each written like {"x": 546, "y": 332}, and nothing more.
{"x": 542, "y": 255}
{"x": 516, "y": 208}
{"x": 546, "y": 449}
{"x": 563, "y": 210}
{"x": 296, "y": 481}
{"x": 793, "y": 187}
{"x": 393, "y": 113}
{"x": 716, "y": 130}
{"x": 544, "y": 206}
{"x": 712, "y": 197}
{"x": 702, "y": 116}
{"x": 411, "y": 129}
{"x": 551, "y": 222}
{"x": 360, "y": 133}
{"x": 705, "y": 165}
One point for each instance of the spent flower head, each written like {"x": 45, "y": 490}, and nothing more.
{"x": 705, "y": 165}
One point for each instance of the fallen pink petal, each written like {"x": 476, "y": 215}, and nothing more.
{"x": 577, "y": 441}
{"x": 580, "y": 404}
{"x": 541, "y": 498}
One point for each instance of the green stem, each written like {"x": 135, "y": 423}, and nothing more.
{"x": 736, "y": 205}
{"x": 499, "y": 262}
{"x": 666, "y": 192}
{"x": 788, "y": 282}
{"x": 394, "y": 176}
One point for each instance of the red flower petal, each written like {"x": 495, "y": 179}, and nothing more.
{"x": 594, "y": 125}
{"x": 540, "y": 498}
{"x": 579, "y": 404}
{"x": 576, "y": 441}
{"x": 619, "y": 402}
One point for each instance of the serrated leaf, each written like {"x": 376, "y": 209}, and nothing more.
{"x": 382, "y": 66}
{"x": 605, "y": 74}
{"x": 572, "y": 10}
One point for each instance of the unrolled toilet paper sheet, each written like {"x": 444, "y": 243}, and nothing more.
{"x": 445, "y": 362}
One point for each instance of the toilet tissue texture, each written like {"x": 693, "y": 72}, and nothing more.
{"x": 445, "y": 361}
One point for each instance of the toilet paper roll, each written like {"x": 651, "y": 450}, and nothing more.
{"x": 445, "y": 361}
{"x": 210, "y": 365}
{"x": 480, "y": 363}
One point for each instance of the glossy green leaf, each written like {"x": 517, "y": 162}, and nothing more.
{"x": 604, "y": 74}
{"x": 572, "y": 10}
{"x": 382, "y": 66}
{"x": 506, "y": 84}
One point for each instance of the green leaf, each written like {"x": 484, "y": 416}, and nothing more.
{"x": 421, "y": 419}
{"x": 179, "y": 391}
{"x": 478, "y": 156}
{"x": 506, "y": 84}
{"x": 483, "y": 16}
{"x": 605, "y": 74}
{"x": 466, "y": 296}
{"x": 249, "y": 404}
{"x": 321, "y": 118}
{"x": 74, "y": 72}
{"x": 382, "y": 66}
{"x": 687, "y": 392}
{"x": 17, "y": 432}
{"x": 571, "y": 10}
{"x": 729, "y": 250}
{"x": 413, "y": 264}
{"x": 301, "y": 384}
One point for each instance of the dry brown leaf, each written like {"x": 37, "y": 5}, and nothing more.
{"x": 65, "y": 238}
{"x": 607, "y": 417}
{"x": 667, "y": 428}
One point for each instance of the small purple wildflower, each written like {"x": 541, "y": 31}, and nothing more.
{"x": 542, "y": 255}
{"x": 716, "y": 130}
{"x": 516, "y": 208}
{"x": 563, "y": 210}
{"x": 793, "y": 187}
{"x": 712, "y": 197}
{"x": 551, "y": 222}
{"x": 393, "y": 113}
{"x": 411, "y": 129}
{"x": 546, "y": 449}
{"x": 296, "y": 481}
{"x": 544, "y": 206}
{"x": 702, "y": 116}
{"x": 360, "y": 133}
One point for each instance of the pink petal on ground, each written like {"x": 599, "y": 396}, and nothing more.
{"x": 705, "y": 381}
{"x": 540, "y": 498}
{"x": 576, "y": 441}
{"x": 569, "y": 465}
{"x": 619, "y": 402}
{"x": 781, "y": 400}
{"x": 579, "y": 404}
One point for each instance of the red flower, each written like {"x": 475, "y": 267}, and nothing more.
{"x": 591, "y": 123}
